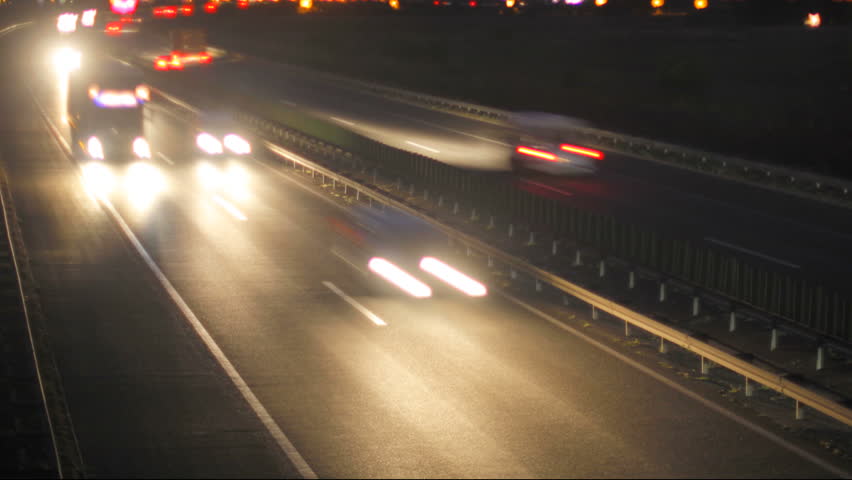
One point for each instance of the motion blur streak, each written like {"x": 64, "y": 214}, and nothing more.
{"x": 588, "y": 152}
{"x": 453, "y": 277}
{"x": 67, "y": 23}
{"x": 230, "y": 208}
{"x": 399, "y": 277}
{"x": 537, "y": 153}
{"x": 98, "y": 180}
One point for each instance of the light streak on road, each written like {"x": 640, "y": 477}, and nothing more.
{"x": 453, "y": 277}
{"x": 230, "y": 208}
{"x": 399, "y": 277}
{"x": 424, "y": 147}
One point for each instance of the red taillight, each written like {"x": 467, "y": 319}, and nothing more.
{"x": 472, "y": 3}
{"x": 187, "y": 10}
{"x": 175, "y": 63}
{"x": 205, "y": 58}
{"x": 586, "y": 152}
{"x": 242, "y": 5}
{"x": 165, "y": 12}
{"x": 161, "y": 63}
{"x": 126, "y": 19}
{"x": 211, "y": 7}
{"x": 113, "y": 28}
{"x": 536, "y": 153}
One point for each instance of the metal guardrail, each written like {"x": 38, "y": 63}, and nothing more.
{"x": 776, "y": 177}
{"x": 778, "y": 381}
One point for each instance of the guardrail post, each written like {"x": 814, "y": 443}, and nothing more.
{"x": 426, "y": 195}
{"x": 773, "y": 340}
{"x": 631, "y": 280}
{"x": 626, "y": 328}
{"x": 749, "y": 388}
{"x": 820, "y": 362}
{"x": 537, "y": 285}
{"x": 357, "y": 194}
{"x": 602, "y": 268}
{"x": 732, "y": 321}
{"x": 578, "y": 258}
{"x": 664, "y": 347}
{"x": 491, "y": 222}
{"x": 512, "y": 273}
{"x": 440, "y": 201}
{"x": 411, "y": 190}
{"x": 696, "y": 306}
{"x": 398, "y": 184}
{"x": 594, "y": 313}
{"x": 490, "y": 261}
{"x": 554, "y": 248}
{"x": 565, "y": 300}
{"x": 532, "y": 239}
{"x": 468, "y": 251}
{"x": 473, "y": 216}
{"x": 662, "y": 296}
{"x": 334, "y": 184}
{"x": 705, "y": 366}
{"x": 456, "y": 208}
{"x": 800, "y": 411}
{"x": 511, "y": 230}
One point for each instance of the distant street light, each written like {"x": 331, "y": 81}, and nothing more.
{"x": 600, "y": 3}
{"x": 813, "y": 20}
{"x": 700, "y": 4}
{"x": 510, "y": 3}
{"x": 657, "y": 3}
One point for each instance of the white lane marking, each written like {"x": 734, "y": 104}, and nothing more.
{"x": 424, "y": 147}
{"x": 752, "y": 252}
{"x": 165, "y": 158}
{"x": 288, "y": 102}
{"x": 357, "y": 306}
{"x": 548, "y": 187}
{"x": 345, "y": 122}
{"x": 260, "y": 411}
{"x": 230, "y": 208}
{"x": 339, "y": 255}
{"x": 680, "y": 388}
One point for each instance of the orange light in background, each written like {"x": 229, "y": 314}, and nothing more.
{"x": 211, "y": 7}
{"x": 700, "y": 4}
{"x": 537, "y": 153}
{"x": 306, "y": 4}
{"x": 510, "y": 3}
{"x": 394, "y": 4}
{"x": 814, "y": 20}
{"x": 587, "y": 152}
{"x": 187, "y": 10}
{"x": 242, "y": 4}
{"x": 600, "y": 3}
{"x": 657, "y": 3}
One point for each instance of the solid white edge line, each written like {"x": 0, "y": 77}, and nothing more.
{"x": 260, "y": 411}
{"x": 752, "y": 252}
{"x": 230, "y": 208}
{"x": 680, "y": 388}
{"x": 357, "y": 306}
{"x": 424, "y": 147}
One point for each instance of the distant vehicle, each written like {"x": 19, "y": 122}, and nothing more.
{"x": 105, "y": 111}
{"x": 537, "y": 144}
{"x": 189, "y": 47}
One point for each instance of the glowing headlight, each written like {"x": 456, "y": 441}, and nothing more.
{"x": 88, "y": 18}
{"x": 141, "y": 148}
{"x": 399, "y": 277}
{"x": 453, "y": 277}
{"x": 95, "y": 148}
{"x": 208, "y": 143}
{"x": 237, "y": 144}
{"x": 143, "y": 93}
{"x": 67, "y": 59}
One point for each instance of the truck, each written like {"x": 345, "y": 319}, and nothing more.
{"x": 105, "y": 111}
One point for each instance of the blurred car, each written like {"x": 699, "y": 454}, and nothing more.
{"x": 537, "y": 141}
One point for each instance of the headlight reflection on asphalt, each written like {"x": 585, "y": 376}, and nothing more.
{"x": 98, "y": 179}
{"x": 143, "y": 183}
{"x": 233, "y": 179}
{"x": 399, "y": 277}
{"x": 453, "y": 277}
{"x": 66, "y": 60}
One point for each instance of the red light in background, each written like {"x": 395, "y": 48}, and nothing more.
{"x": 126, "y": 19}
{"x": 472, "y": 3}
{"x": 211, "y": 7}
{"x": 242, "y": 4}
{"x": 113, "y": 28}
{"x": 187, "y": 10}
{"x": 165, "y": 12}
